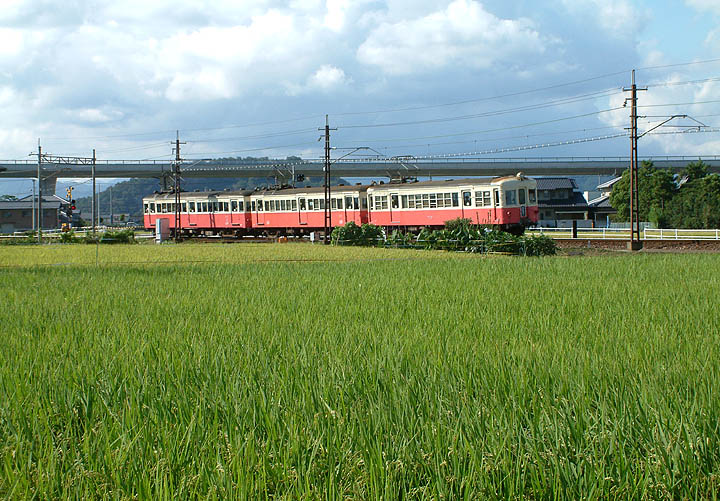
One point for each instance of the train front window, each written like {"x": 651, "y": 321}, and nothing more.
{"x": 510, "y": 197}
{"x": 531, "y": 196}
{"x": 521, "y": 196}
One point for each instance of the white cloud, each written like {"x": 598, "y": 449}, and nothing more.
{"x": 462, "y": 34}
{"x": 617, "y": 17}
{"x": 712, "y": 6}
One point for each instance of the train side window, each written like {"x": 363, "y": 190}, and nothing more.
{"x": 394, "y": 202}
{"x": 370, "y": 202}
{"x": 510, "y": 197}
{"x": 146, "y": 208}
{"x": 334, "y": 203}
{"x": 349, "y": 203}
{"x": 311, "y": 204}
{"x": 433, "y": 200}
{"x": 531, "y": 196}
{"x": 152, "y": 208}
{"x": 486, "y": 198}
{"x": 467, "y": 198}
{"x": 521, "y": 196}
{"x": 192, "y": 206}
{"x": 294, "y": 205}
{"x": 184, "y": 207}
{"x": 266, "y": 205}
{"x": 363, "y": 201}
{"x": 356, "y": 203}
{"x": 340, "y": 203}
{"x": 302, "y": 204}
{"x": 233, "y": 205}
{"x": 321, "y": 203}
{"x": 252, "y": 205}
{"x": 226, "y": 206}
{"x": 241, "y": 205}
{"x": 497, "y": 197}
{"x": 404, "y": 201}
{"x": 455, "y": 200}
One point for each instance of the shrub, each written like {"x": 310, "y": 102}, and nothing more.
{"x": 69, "y": 237}
{"x": 352, "y": 234}
{"x": 118, "y": 237}
{"x": 540, "y": 245}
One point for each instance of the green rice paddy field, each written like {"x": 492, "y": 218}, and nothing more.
{"x": 258, "y": 371}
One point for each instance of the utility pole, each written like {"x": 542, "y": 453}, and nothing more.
{"x": 39, "y": 180}
{"x": 328, "y": 211}
{"x": 635, "y": 243}
{"x": 176, "y": 184}
{"x": 93, "y": 199}
{"x": 111, "y": 207}
{"x": 33, "y": 206}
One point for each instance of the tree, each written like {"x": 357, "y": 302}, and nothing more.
{"x": 696, "y": 204}
{"x": 656, "y": 188}
{"x": 695, "y": 170}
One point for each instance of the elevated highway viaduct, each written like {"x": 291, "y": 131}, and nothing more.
{"x": 365, "y": 167}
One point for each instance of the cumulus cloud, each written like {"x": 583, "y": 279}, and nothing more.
{"x": 616, "y": 17}
{"x": 705, "y": 5}
{"x": 464, "y": 33}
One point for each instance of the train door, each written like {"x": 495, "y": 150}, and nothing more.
{"x": 394, "y": 208}
{"x": 522, "y": 201}
{"x": 496, "y": 202}
{"x": 466, "y": 196}
{"x": 302, "y": 211}
{"x": 257, "y": 207}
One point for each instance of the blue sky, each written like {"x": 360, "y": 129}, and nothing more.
{"x": 406, "y": 77}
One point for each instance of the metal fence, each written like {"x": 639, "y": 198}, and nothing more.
{"x": 624, "y": 234}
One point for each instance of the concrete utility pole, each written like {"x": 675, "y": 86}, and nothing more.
{"x": 176, "y": 185}
{"x": 93, "y": 199}
{"x": 33, "y": 206}
{"x": 39, "y": 180}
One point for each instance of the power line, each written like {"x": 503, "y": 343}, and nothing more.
{"x": 585, "y": 97}
{"x": 438, "y": 136}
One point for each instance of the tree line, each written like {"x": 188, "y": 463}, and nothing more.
{"x": 686, "y": 199}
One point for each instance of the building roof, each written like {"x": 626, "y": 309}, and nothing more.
{"x": 28, "y": 204}
{"x": 555, "y": 183}
{"x": 602, "y": 202}
{"x": 608, "y": 184}
{"x": 577, "y": 200}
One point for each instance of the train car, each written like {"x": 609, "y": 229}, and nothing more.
{"x": 509, "y": 203}
{"x": 302, "y": 210}
{"x": 216, "y": 212}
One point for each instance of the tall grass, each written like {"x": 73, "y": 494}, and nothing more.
{"x": 417, "y": 378}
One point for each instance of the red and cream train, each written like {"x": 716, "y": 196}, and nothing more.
{"x": 509, "y": 203}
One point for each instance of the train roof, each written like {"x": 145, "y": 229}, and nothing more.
{"x": 202, "y": 194}
{"x": 313, "y": 189}
{"x": 448, "y": 182}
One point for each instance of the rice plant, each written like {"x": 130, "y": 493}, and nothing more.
{"x": 306, "y": 372}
